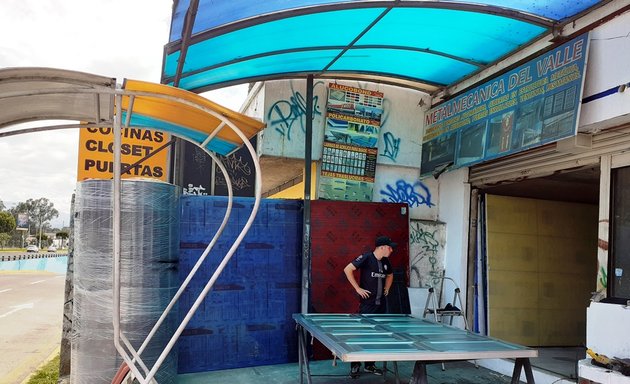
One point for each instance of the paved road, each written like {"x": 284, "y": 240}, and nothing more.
{"x": 31, "y": 311}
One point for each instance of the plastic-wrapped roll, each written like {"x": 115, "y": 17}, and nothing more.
{"x": 148, "y": 275}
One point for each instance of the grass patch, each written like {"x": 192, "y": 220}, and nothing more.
{"x": 47, "y": 374}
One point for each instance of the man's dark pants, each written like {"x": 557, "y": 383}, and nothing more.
{"x": 364, "y": 309}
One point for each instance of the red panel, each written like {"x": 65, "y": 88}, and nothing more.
{"x": 341, "y": 231}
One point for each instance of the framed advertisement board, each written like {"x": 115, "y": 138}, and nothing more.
{"x": 531, "y": 105}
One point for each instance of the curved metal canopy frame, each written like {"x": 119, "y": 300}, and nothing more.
{"x": 32, "y": 94}
{"x": 213, "y": 45}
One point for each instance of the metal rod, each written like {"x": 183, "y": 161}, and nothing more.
{"x": 134, "y": 355}
{"x": 117, "y": 94}
{"x": 300, "y": 353}
{"x": 116, "y": 215}
{"x": 212, "y": 135}
{"x": 419, "y": 375}
{"x": 149, "y": 155}
{"x": 303, "y": 351}
{"x": 97, "y": 107}
{"x": 201, "y": 259}
{"x": 132, "y": 98}
{"x": 230, "y": 252}
{"x": 53, "y": 128}
{"x": 471, "y": 291}
{"x": 191, "y": 14}
{"x": 306, "y": 240}
{"x": 516, "y": 373}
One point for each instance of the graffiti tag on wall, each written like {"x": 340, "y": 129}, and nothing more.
{"x": 414, "y": 195}
{"x": 192, "y": 190}
{"x": 392, "y": 146}
{"x": 238, "y": 170}
{"x": 426, "y": 254}
{"x": 285, "y": 114}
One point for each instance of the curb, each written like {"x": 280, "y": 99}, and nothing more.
{"x": 48, "y": 359}
{"x": 29, "y": 256}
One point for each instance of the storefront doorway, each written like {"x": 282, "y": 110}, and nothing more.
{"x": 536, "y": 264}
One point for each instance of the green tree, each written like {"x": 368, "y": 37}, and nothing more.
{"x": 17, "y": 239}
{"x": 4, "y": 239}
{"x": 40, "y": 212}
{"x": 2, "y": 207}
{"x": 7, "y": 222}
{"x": 63, "y": 235}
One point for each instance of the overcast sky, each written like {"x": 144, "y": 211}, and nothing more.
{"x": 114, "y": 38}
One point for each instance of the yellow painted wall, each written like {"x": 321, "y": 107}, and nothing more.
{"x": 297, "y": 191}
{"x": 294, "y": 192}
{"x": 542, "y": 264}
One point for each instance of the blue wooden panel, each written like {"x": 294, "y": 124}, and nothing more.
{"x": 246, "y": 318}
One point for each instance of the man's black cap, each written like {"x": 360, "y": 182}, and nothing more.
{"x": 384, "y": 240}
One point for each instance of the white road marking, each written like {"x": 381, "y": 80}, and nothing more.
{"x": 6, "y": 290}
{"x": 36, "y": 282}
{"x": 17, "y": 308}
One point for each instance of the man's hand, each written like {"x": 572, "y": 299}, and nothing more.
{"x": 364, "y": 293}
{"x": 386, "y": 291}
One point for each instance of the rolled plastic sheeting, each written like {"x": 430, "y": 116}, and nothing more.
{"x": 148, "y": 276}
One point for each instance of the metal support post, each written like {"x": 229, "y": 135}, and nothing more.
{"x": 306, "y": 240}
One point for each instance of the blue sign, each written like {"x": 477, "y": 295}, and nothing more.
{"x": 534, "y": 104}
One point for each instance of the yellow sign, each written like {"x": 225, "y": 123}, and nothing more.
{"x": 96, "y": 158}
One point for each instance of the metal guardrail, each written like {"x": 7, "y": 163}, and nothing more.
{"x": 28, "y": 256}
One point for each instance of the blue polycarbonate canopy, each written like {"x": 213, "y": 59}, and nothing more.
{"x": 427, "y": 45}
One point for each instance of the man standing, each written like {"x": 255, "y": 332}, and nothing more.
{"x": 374, "y": 284}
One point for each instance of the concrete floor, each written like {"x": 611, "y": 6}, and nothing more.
{"x": 324, "y": 373}
{"x": 554, "y": 365}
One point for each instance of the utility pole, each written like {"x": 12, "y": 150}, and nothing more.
{"x": 40, "y": 233}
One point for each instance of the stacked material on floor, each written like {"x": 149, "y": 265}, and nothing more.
{"x": 148, "y": 280}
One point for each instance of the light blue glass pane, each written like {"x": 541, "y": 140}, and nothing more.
{"x": 217, "y": 145}
{"x": 555, "y": 10}
{"x": 177, "y": 20}
{"x": 295, "y": 62}
{"x": 477, "y": 36}
{"x": 328, "y": 29}
{"x": 212, "y": 14}
{"x": 410, "y": 64}
{"x": 170, "y": 64}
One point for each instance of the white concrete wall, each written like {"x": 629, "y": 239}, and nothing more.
{"x": 454, "y": 210}
{"x": 254, "y": 105}
{"x": 400, "y": 139}
{"x": 608, "y": 66}
{"x": 284, "y": 112}
{"x": 606, "y": 334}
{"x": 607, "y": 329}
